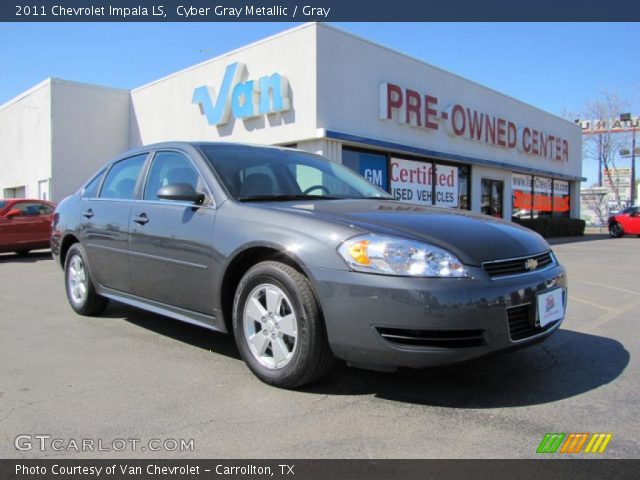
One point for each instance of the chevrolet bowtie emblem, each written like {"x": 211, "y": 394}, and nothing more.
{"x": 531, "y": 264}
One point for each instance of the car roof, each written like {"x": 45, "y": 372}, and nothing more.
{"x": 193, "y": 144}
{"x": 15, "y": 200}
{"x": 208, "y": 143}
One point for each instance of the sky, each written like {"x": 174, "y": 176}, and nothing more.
{"x": 558, "y": 67}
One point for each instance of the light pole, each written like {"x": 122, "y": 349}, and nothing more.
{"x": 626, "y": 117}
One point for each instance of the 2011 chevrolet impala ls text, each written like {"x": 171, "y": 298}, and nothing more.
{"x": 303, "y": 260}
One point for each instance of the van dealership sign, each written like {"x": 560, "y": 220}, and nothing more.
{"x": 424, "y": 111}
{"x": 243, "y": 99}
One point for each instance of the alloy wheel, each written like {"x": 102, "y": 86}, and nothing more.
{"x": 270, "y": 326}
{"x": 77, "y": 280}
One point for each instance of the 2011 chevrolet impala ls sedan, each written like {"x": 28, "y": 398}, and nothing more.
{"x": 303, "y": 260}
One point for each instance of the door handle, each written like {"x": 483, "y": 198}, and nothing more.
{"x": 141, "y": 219}
{"x": 87, "y": 213}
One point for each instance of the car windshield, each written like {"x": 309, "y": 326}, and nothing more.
{"x": 255, "y": 173}
{"x": 3, "y": 204}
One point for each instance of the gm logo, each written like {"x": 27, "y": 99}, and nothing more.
{"x": 374, "y": 176}
{"x": 245, "y": 99}
{"x": 574, "y": 442}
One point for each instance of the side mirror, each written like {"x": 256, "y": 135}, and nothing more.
{"x": 181, "y": 192}
{"x": 14, "y": 213}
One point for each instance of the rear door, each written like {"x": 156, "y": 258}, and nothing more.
{"x": 171, "y": 240}
{"x": 626, "y": 219}
{"x": 106, "y": 209}
{"x": 41, "y": 214}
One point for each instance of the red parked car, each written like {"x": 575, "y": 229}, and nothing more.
{"x": 626, "y": 222}
{"x": 25, "y": 224}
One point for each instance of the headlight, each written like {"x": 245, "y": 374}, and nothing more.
{"x": 398, "y": 256}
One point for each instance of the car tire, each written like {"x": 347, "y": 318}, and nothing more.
{"x": 615, "y": 230}
{"x": 81, "y": 292}
{"x": 278, "y": 326}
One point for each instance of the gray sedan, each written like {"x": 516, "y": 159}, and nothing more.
{"x": 303, "y": 260}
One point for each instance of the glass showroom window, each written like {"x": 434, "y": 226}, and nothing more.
{"x": 521, "y": 196}
{"x": 371, "y": 165}
{"x": 427, "y": 183}
{"x": 561, "y": 198}
{"x": 542, "y": 189}
{"x": 446, "y": 181}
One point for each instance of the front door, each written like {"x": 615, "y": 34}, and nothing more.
{"x": 631, "y": 223}
{"x": 170, "y": 247}
{"x": 491, "y": 201}
{"x": 30, "y": 229}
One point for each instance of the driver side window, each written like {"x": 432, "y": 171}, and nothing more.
{"x": 170, "y": 168}
{"x": 32, "y": 209}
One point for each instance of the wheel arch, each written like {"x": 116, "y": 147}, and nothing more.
{"x": 241, "y": 261}
{"x": 68, "y": 240}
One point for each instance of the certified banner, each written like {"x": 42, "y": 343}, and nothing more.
{"x": 413, "y": 181}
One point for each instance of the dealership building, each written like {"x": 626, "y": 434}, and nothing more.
{"x": 425, "y": 135}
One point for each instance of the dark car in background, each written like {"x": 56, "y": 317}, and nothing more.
{"x": 25, "y": 224}
{"x": 625, "y": 222}
{"x": 303, "y": 260}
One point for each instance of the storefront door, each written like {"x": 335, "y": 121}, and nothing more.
{"x": 492, "y": 203}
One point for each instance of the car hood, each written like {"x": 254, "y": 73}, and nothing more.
{"x": 473, "y": 238}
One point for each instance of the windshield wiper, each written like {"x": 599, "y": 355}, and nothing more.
{"x": 283, "y": 198}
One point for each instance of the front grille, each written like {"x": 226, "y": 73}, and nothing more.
{"x": 517, "y": 266}
{"x": 433, "y": 338}
{"x": 522, "y": 322}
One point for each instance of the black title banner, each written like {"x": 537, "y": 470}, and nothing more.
{"x": 315, "y": 10}
{"x": 319, "y": 469}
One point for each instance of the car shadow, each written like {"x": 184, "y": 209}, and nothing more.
{"x": 569, "y": 363}
{"x": 218, "y": 343}
{"x": 590, "y": 237}
{"x": 31, "y": 257}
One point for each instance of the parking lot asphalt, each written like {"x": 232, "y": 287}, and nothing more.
{"x": 135, "y": 375}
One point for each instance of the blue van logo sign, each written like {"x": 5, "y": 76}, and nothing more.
{"x": 244, "y": 99}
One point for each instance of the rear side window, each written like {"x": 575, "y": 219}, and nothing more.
{"x": 91, "y": 190}
{"x": 120, "y": 182}
{"x": 33, "y": 209}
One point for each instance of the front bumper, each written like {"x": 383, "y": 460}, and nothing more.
{"x": 384, "y": 322}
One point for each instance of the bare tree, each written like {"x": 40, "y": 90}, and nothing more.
{"x": 604, "y": 145}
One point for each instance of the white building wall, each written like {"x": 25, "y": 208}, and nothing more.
{"x": 329, "y": 149}
{"x": 351, "y": 70}
{"x": 25, "y": 146}
{"x": 163, "y": 110}
{"x": 90, "y": 126}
